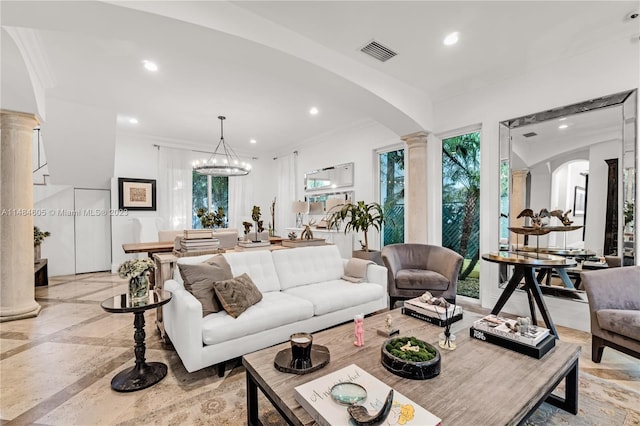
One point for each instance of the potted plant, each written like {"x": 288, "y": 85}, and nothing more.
{"x": 38, "y": 237}
{"x": 360, "y": 217}
{"x": 211, "y": 219}
{"x": 138, "y": 271}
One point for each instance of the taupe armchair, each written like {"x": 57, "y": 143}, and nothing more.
{"x": 416, "y": 268}
{"x": 614, "y": 306}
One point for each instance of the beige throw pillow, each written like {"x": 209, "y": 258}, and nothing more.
{"x": 199, "y": 280}
{"x": 237, "y": 294}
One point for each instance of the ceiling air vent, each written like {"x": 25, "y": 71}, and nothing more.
{"x": 378, "y": 51}
{"x": 530, "y": 134}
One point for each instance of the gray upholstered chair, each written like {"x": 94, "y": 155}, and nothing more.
{"x": 614, "y": 306}
{"x": 416, "y": 268}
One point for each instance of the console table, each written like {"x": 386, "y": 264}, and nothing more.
{"x": 524, "y": 267}
{"x": 143, "y": 374}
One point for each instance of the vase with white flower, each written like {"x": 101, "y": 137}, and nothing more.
{"x": 138, "y": 271}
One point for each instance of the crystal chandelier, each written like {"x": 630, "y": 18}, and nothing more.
{"x": 224, "y": 161}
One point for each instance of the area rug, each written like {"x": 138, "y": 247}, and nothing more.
{"x": 600, "y": 403}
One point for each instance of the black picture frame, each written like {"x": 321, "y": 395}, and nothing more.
{"x": 579, "y": 201}
{"x": 137, "y": 194}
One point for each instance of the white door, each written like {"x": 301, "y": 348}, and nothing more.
{"x": 92, "y": 230}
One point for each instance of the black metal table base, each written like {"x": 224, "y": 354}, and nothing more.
{"x": 534, "y": 295}
{"x": 139, "y": 377}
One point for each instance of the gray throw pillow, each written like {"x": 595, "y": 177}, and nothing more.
{"x": 237, "y": 294}
{"x": 199, "y": 280}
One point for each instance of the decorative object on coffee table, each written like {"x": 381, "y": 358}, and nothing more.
{"x": 319, "y": 358}
{"x": 388, "y": 329}
{"x": 410, "y": 358}
{"x": 446, "y": 339}
{"x": 359, "y": 330}
{"x": 138, "y": 272}
{"x": 361, "y": 416}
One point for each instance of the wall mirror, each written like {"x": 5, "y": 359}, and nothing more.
{"x": 328, "y": 178}
{"x": 582, "y": 158}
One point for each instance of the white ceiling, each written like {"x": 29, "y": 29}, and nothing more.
{"x": 94, "y": 52}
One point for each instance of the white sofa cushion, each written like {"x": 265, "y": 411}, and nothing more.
{"x": 308, "y": 265}
{"x": 336, "y": 295}
{"x": 258, "y": 265}
{"x": 274, "y": 310}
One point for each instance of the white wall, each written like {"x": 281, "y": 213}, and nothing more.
{"x": 609, "y": 69}
{"x": 55, "y": 201}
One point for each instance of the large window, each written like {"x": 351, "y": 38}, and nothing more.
{"x": 461, "y": 206}
{"x": 391, "y": 166}
{"x": 209, "y": 192}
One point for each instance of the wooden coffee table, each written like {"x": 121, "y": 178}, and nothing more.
{"x": 480, "y": 383}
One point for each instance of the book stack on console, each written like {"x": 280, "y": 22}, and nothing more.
{"x": 252, "y": 245}
{"x": 534, "y": 342}
{"x": 198, "y": 240}
{"x": 315, "y": 398}
{"x": 304, "y": 242}
{"x": 434, "y": 314}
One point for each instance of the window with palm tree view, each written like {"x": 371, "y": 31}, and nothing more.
{"x": 461, "y": 206}
{"x": 391, "y": 166}
{"x": 209, "y": 193}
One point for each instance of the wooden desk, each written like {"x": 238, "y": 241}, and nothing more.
{"x": 149, "y": 248}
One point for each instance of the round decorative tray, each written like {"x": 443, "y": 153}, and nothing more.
{"x": 417, "y": 370}
{"x": 319, "y": 358}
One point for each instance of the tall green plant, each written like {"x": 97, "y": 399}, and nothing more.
{"x": 360, "y": 217}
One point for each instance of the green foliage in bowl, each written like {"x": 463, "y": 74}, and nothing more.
{"x": 425, "y": 353}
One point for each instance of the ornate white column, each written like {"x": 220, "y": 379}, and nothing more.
{"x": 517, "y": 201}
{"x": 16, "y": 218}
{"x": 416, "y": 193}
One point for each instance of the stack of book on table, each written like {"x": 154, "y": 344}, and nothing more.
{"x": 303, "y": 242}
{"x": 315, "y": 398}
{"x": 198, "y": 240}
{"x": 434, "y": 314}
{"x": 252, "y": 245}
{"x": 535, "y": 341}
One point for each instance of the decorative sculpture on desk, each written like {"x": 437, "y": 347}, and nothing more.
{"x": 563, "y": 217}
{"x": 307, "y": 234}
{"x": 536, "y": 218}
{"x": 359, "y": 330}
{"x": 247, "y": 229}
{"x": 292, "y": 235}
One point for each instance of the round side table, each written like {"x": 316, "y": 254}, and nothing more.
{"x": 143, "y": 374}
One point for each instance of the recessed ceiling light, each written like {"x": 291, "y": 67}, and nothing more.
{"x": 314, "y": 111}
{"x": 133, "y": 120}
{"x": 563, "y": 126}
{"x": 451, "y": 39}
{"x": 253, "y": 141}
{"x": 562, "y": 119}
{"x": 150, "y": 66}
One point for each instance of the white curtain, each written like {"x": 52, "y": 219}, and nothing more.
{"x": 174, "y": 189}
{"x": 287, "y": 184}
{"x": 240, "y": 200}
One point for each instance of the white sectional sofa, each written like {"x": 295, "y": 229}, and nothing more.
{"x": 302, "y": 291}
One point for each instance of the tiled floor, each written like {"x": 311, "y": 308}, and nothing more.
{"x": 56, "y": 369}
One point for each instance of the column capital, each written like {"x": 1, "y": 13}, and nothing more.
{"x": 520, "y": 172}
{"x": 415, "y": 138}
{"x": 17, "y": 120}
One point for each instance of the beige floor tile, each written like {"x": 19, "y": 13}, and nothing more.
{"x": 54, "y": 318}
{"x": 51, "y": 367}
{"x": 8, "y": 344}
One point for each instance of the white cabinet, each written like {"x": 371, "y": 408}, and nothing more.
{"x": 343, "y": 241}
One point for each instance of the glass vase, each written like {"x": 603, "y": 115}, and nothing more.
{"x": 139, "y": 289}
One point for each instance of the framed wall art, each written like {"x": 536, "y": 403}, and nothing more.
{"x": 137, "y": 194}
